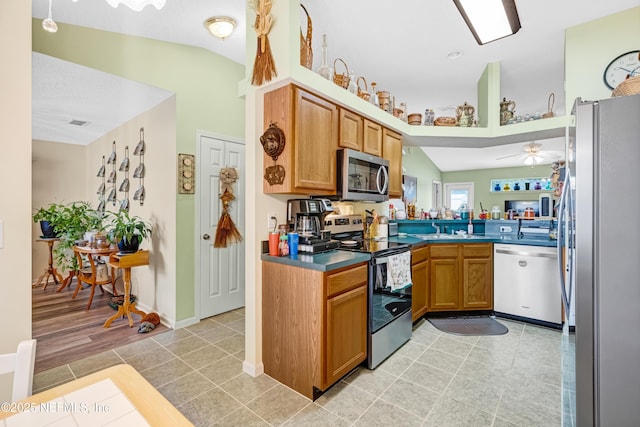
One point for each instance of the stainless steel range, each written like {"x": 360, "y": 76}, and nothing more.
{"x": 389, "y": 294}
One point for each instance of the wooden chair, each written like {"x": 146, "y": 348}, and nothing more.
{"x": 21, "y": 363}
{"x": 88, "y": 271}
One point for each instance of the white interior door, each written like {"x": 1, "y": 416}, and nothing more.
{"x": 221, "y": 269}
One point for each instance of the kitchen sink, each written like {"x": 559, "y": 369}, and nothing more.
{"x": 443, "y": 236}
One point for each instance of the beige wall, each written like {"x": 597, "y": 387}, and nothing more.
{"x": 590, "y": 47}
{"x": 59, "y": 172}
{"x": 155, "y": 286}
{"x": 15, "y": 175}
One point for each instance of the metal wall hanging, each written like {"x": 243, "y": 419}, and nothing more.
{"x": 273, "y": 142}
{"x": 186, "y": 173}
{"x": 112, "y": 175}
{"x": 140, "y": 149}
{"x": 124, "y": 185}
{"x": 102, "y": 187}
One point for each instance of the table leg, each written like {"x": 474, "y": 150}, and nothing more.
{"x": 67, "y": 280}
{"x": 127, "y": 308}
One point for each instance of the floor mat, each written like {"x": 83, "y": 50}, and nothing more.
{"x": 472, "y": 326}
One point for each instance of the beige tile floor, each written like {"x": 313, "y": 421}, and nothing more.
{"x": 435, "y": 379}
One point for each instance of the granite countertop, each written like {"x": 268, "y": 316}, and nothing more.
{"x": 325, "y": 261}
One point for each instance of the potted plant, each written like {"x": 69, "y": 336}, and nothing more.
{"x": 127, "y": 231}
{"x": 47, "y": 218}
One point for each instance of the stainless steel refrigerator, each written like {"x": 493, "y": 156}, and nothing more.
{"x": 607, "y": 262}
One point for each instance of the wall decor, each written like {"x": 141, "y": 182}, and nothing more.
{"x": 409, "y": 189}
{"x": 102, "y": 187}
{"x": 124, "y": 185}
{"x": 186, "y": 173}
{"x": 273, "y": 141}
{"x": 112, "y": 175}
{"x": 226, "y": 232}
{"x": 139, "y": 173}
{"x": 264, "y": 69}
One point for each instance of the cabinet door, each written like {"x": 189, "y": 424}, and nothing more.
{"x": 444, "y": 284}
{"x": 477, "y": 276}
{"x": 372, "y": 142}
{"x": 346, "y": 333}
{"x": 419, "y": 290}
{"x": 477, "y": 284}
{"x": 316, "y": 142}
{"x": 351, "y": 130}
{"x": 392, "y": 151}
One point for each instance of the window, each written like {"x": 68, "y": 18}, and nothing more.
{"x": 457, "y": 193}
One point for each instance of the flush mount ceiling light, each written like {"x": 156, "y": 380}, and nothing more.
{"x": 137, "y": 5}
{"x": 220, "y": 26}
{"x": 49, "y": 24}
{"x": 489, "y": 20}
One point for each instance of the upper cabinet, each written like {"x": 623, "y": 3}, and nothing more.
{"x": 350, "y": 130}
{"x": 392, "y": 151}
{"x": 307, "y": 164}
{"x": 372, "y": 138}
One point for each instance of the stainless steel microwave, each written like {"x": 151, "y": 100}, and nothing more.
{"x": 362, "y": 176}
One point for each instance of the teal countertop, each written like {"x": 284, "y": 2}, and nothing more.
{"x": 474, "y": 238}
{"x": 325, "y": 261}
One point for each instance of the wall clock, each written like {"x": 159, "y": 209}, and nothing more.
{"x": 627, "y": 64}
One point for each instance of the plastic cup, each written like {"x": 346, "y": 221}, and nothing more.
{"x": 293, "y": 244}
{"x": 273, "y": 243}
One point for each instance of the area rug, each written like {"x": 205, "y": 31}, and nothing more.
{"x": 471, "y": 326}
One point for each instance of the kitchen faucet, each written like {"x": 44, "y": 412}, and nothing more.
{"x": 437, "y": 227}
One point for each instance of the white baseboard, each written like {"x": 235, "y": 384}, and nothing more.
{"x": 186, "y": 322}
{"x": 253, "y": 370}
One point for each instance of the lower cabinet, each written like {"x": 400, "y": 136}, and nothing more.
{"x": 314, "y": 324}
{"x": 420, "y": 278}
{"x": 461, "y": 277}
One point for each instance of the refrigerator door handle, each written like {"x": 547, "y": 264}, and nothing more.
{"x": 564, "y": 209}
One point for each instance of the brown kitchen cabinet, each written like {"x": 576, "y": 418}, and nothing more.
{"x": 314, "y": 324}
{"x": 351, "y": 130}
{"x": 420, "y": 278}
{"x": 372, "y": 143}
{"x": 392, "y": 151}
{"x": 461, "y": 277}
{"x": 310, "y": 126}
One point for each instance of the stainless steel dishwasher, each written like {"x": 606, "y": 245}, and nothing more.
{"x": 526, "y": 283}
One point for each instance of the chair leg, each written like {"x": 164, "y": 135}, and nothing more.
{"x": 78, "y": 286}
{"x": 101, "y": 289}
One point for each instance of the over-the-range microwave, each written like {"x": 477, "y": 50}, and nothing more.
{"x": 362, "y": 176}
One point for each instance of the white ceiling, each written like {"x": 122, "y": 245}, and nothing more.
{"x": 400, "y": 45}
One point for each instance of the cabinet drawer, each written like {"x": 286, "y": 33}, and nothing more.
{"x": 346, "y": 279}
{"x": 482, "y": 250}
{"x": 444, "y": 251}
{"x": 419, "y": 254}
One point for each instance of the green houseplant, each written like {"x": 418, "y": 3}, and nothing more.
{"x": 47, "y": 216}
{"x": 127, "y": 231}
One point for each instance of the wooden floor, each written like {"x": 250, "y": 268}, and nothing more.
{"x": 66, "y": 331}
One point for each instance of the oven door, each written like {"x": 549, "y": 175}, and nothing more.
{"x": 385, "y": 304}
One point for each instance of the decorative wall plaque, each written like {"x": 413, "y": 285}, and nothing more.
{"x": 186, "y": 173}
{"x": 274, "y": 174}
{"x": 273, "y": 141}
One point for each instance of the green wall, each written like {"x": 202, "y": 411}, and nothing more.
{"x": 206, "y": 87}
{"x": 482, "y": 184}
{"x": 417, "y": 163}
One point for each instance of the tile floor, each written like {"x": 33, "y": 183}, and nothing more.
{"x": 435, "y": 379}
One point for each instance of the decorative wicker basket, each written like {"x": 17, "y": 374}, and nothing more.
{"x": 414, "y": 119}
{"x": 364, "y": 94}
{"x": 306, "y": 51}
{"x": 341, "y": 80}
{"x": 630, "y": 86}
{"x": 445, "y": 121}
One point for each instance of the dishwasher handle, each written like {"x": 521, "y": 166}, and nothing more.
{"x": 523, "y": 253}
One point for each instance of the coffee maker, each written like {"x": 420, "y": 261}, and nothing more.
{"x": 306, "y": 217}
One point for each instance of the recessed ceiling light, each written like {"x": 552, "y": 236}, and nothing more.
{"x": 455, "y": 54}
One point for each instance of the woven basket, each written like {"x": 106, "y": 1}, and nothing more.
{"x": 306, "y": 51}
{"x": 341, "y": 80}
{"x": 364, "y": 94}
{"x": 630, "y": 86}
{"x": 445, "y": 121}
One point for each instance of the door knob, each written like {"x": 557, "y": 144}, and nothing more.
{"x": 206, "y": 236}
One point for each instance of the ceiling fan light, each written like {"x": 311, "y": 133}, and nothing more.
{"x": 137, "y": 5}
{"x": 49, "y": 24}
{"x": 489, "y": 20}
{"x": 220, "y": 26}
{"x": 529, "y": 161}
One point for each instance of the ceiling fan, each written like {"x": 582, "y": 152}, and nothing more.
{"x": 533, "y": 154}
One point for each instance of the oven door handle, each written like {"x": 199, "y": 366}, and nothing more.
{"x": 381, "y": 260}
{"x": 530, "y": 254}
